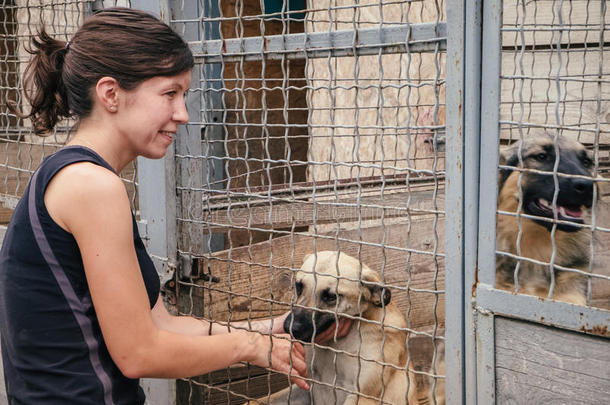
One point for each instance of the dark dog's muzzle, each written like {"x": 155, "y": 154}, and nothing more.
{"x": 583, "y": 188}
{"x": 574, "y": 194}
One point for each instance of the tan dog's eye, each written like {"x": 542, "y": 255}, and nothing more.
{"x": 299, "y": 287}
{"x": 328, "y": 297}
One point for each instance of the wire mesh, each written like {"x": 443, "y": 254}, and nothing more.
{"x": 21, "y": 151}
{"x": 552, "y": 236}
{"x": 311, "y": 147}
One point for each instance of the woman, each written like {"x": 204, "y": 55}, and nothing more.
{"x": 80, "y": 314}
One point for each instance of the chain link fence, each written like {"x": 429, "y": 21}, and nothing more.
{"x": 323, "y": 129}
{"x": 554, "y": 81}
{"x": 552, "y": 212}
{"x": 320, "y": 126}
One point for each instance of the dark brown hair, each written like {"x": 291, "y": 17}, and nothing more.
{"x": 128, "y": 45}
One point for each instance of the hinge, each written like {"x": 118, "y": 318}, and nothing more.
{"x": 190, "y": 270}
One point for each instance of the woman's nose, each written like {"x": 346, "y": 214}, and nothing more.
{"x": 180, "y": 114}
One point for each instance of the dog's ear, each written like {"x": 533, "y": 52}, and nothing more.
{"x": 306, "y": 257}
{"x": 509, "y": 156}
{"x": 379, "y": 295}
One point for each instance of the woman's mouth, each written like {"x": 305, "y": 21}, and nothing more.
{"x": 169, "y": 135}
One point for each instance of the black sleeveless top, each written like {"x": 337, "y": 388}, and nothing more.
{"x": 53, "y": 351}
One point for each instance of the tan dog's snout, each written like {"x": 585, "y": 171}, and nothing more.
{"x": 304, "y": 324}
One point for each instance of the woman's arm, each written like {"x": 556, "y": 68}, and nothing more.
{"x": 91, "y": 203}
{"x": 191, "y": 326}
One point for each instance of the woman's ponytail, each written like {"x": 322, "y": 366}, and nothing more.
{"x": 43, "y": 84}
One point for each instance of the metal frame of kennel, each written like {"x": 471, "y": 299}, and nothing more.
{"x": 473, "y": 29}
{"x": 156, "y": 213}
{"x": 473, "y": 127}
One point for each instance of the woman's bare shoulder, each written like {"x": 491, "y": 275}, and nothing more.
{"x": 82, "y": 190}
{"x": 89, "y": 177}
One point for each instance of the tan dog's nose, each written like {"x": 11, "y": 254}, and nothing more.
{"x": 303, "y": 323}
{"x": 298, "y": 326}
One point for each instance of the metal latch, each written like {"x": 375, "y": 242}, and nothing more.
{"x": 189, "y": 270}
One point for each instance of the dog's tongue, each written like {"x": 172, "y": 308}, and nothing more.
{"x": 571, "y": 213}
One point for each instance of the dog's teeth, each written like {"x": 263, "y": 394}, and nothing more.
{"x": 544, "y": 203}
{"x": 570, "y": 213}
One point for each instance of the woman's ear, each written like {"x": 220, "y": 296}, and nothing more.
{"x": 107, "y": 93}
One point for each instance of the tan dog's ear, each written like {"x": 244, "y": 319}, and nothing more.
{"x": 379, "y": 295}
{"x": 306, "y": 257}
{"x": 509, "y": 156}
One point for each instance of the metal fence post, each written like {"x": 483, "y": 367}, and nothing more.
{"x": 464, "y": 21}
{"x": 212, "y": 109}
{"x": 454, "y": 206}
{"x": 156, "y": 179}
{"x": 472, "y": 139}
{"x": 197, "y": 148}
{"x": 491, "y": 44}
{"x": 156, "y": 190}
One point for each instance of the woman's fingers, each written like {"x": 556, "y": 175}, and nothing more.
{"x": 298, "y": 347}
{"x": 292, "y": 354}
{"x": 298, "y": 359}
{"x": 300, "y": 382}
{"x": 286, "y": 357}
{"x": 278, "y": 324}
{"x": 298, "y": 366}
{"x": 295, "y": 364}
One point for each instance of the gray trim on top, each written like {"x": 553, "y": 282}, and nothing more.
{"x": 3, "y": 398}
{"x": 78, "y": 308}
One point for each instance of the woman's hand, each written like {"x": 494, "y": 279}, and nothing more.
{"x": 278, "y": 324}
{"x": 279, "y": 353}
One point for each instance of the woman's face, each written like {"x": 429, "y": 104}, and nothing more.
{"x": 150, "y": 114}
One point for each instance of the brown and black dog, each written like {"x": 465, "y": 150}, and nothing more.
{"x": 557, "y": 227}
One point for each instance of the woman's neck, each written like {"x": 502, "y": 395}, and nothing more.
{"x": 102, "y": 141}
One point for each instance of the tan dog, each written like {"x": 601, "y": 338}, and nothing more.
{"x": 371, "y": 359}
{"x": 574, "y": 200}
